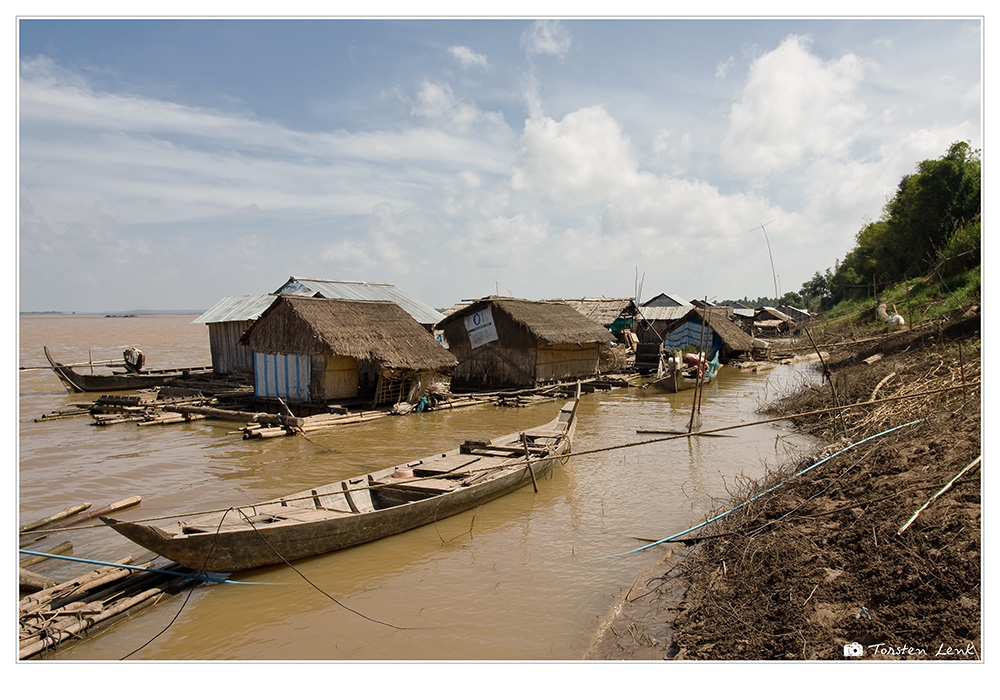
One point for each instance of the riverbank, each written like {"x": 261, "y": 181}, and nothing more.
{"x": 877, "y": 544}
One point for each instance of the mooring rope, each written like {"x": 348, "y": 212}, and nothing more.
{"x": 665, "y": 540}
{"x": 200, "y": 576}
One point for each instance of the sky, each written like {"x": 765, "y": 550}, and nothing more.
{"x": 166, "y": 163}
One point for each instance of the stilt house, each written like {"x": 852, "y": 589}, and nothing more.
{"x": 506, "y": 343}
{"x": 313, "y": 351}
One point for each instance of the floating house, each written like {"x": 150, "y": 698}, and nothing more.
{"x": 227, "y": 321}
{"x": 656, "y": 314}
{"x": 721, "y": 334}
{"x": 769, "y": 322}
{"x": 311, "y": 350}
{"x": 614, "y": 313}
{"x": 502, "y": 342}
{"x": 425, "y": 315}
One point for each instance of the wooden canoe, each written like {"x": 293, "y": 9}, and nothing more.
{"x": 79, "y": 382}
{"x": 672, "y": 377}
{"x": 359, "y": 510}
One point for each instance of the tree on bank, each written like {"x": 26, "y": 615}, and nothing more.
{"x": 932, "y": 220}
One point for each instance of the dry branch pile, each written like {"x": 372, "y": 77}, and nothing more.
{"x": 821, "y": 562}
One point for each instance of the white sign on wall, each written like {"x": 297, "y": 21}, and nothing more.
{"x": 480, "y": 327}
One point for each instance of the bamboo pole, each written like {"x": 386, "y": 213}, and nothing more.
{"x": 243, "y": 416}
{"x": 947, "y": 486}
{"x": 695, "y": 403}
{"x": 60, "y": 548}
{"x": 99, "y": 577}
{"x": 31, "y": 581}
{"x": 829, "y": 376}
{"x": 704, "y": 351}
{"x": 54, "y": 634}
{"x": 130, "y": 502}
{"x": 61, "y": 515}
{"x": 527, "y": 459}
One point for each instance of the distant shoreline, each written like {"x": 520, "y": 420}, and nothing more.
{"x": 112, "y": 314}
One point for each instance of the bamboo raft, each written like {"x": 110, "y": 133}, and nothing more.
{"x": 67, "y": 610}
{"x": 51, "y": 612}
{"x": 166, "y": 406}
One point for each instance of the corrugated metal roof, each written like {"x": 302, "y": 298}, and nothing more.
{"x": 663, "y": 313}
{"x": 237, "y": 308}
{"x": 668, "y": 300}
{"x": 362, "y": 291}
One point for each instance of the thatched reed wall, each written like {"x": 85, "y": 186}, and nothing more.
{"x": 348, "y": 343}
{"x": 536, "y": 342}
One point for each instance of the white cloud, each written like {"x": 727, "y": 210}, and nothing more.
{"x": 437, "y": 103}
{"x": 722, "y": 67}
{"x": 468, "y": 58}
{"x": 794, "y": 106}
{"x": 547, "y": 37}
{"x": 136, "y": 187}
{"x": 584, "y": 158}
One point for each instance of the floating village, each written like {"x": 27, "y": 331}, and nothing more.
{"x": 317, "y": 355}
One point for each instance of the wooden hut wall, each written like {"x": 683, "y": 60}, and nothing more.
{"x": 337, "y": 377}
{"x": 558, "y": 362}
{"x": 228, "y": 355}
{"x": 506, "y": 362}
{"x": 516, "y": 358}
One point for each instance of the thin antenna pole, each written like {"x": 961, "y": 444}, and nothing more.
{"x": 773, "y": 275}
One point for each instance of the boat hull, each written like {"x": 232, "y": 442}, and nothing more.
{"x": 285, "y": 530}
{"x": 675, "y": 381}
{"x": 77, "y": 382}
{"x": 672, "y": 379}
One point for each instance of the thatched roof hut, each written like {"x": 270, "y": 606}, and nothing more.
{"x": 312, "y": 349}
{"x": 362, "y": 291}
{"x": 614, "y": 313}
{"x": 769, "y": 321}
{"x": 721, "y": 334}
{"x": 502, "y": 342}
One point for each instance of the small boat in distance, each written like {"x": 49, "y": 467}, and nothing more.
{"x": 680, "y": 372}
{"x": 358, "y": 510}
{"x": 132, "y": 376}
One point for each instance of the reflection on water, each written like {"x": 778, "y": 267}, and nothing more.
{"x": 529, "y": 576}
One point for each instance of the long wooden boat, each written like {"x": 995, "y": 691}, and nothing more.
{"x": 359, "y": 510}
{"x": 672, "y": 375}
{"x": 79, "y": 382}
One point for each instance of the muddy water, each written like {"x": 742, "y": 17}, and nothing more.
{"x": 528, "y": 577}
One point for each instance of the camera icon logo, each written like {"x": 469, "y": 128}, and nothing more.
{"x": 853, "y": 649}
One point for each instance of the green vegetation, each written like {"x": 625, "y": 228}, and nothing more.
{"x": 923, "y": 255}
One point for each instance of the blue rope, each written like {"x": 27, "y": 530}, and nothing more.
{"x": 759, "y": 495}
{"x": 202, "y": 577}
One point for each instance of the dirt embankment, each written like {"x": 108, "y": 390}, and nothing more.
{"x": 834, "y": 557}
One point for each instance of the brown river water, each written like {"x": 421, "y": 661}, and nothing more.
{"x": 531, "y": 576}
